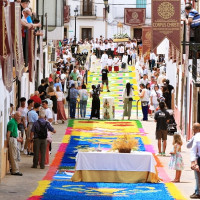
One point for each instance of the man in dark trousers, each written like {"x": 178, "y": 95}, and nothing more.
{"x": 104, "y": 73}
{"x": 161, "y": 117}
{"x": 42, "y": 90}
{"x": 39, "y": 134}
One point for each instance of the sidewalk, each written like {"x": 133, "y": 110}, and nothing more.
{"x": 20, "y": 187}
{"x": 187, "y": 184}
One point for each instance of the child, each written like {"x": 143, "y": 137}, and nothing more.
{"x": 176, "y": 161}
{"x": 116, "y": 64}
{"x": 110, "y": 63}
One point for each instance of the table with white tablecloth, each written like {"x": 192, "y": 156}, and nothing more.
{"x": 115, "y": 167}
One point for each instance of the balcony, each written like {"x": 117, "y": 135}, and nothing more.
{"x": 87, "y": 11}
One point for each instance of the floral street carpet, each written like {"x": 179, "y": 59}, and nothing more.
{"x": 56, "y": 185}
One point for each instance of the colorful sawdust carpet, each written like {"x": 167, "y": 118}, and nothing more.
{"x": 82, "y": 134}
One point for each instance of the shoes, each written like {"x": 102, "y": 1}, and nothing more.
{"x": 56, "y": 123}
{"x": 159, "y": 154}
{"x": 163, "y": 154}
{"x": 30, "y": 153}
{"x": 17, "y": 174}
{"x": 195, "y": 196}
{"x": 33, "y": 166}
{"x": 63, "y": 121}
{"x": 22, "y": 149}
{"x": 42, "y": 167}
{"x": 108, "y": 90}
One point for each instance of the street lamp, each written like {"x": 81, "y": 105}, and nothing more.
{"x": 106, "y": 5}
{"x": 75, "y": 15}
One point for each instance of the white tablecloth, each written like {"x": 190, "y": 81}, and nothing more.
{"x": 136, "y": 161}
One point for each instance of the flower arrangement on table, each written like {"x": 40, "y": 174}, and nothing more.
{"x": 125, "y": 143}
{"x": 120, "y": 36}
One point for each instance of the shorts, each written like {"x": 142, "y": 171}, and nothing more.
{"x": 161, "y": 134}
{"x": 105, "y": 82}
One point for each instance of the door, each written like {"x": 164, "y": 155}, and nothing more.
{"x": 137, "y": 33}
{"x": 86, "y": 33}
{"x": 87, "y": 7}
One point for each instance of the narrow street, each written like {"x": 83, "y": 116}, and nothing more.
{"x": 20, "y": 188}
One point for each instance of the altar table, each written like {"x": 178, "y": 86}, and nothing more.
{"x": 135, "y": 167}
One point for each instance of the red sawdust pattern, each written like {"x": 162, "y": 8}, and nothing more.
{"x": 57, "y": 160}
{"x": 51, "y": 172}
{"x": 159, "y": 164}
{"x": 35, "y": 198}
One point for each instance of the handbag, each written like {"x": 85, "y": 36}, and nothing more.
{"x": 123, "y": 65}
{"x": 130, "y": 99}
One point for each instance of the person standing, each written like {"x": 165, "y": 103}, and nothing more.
{"x": 42, "y": 89}
{"x": 53, "y": 98}
{"x": 94, "y": 94}
{"x": 36, "y": 97}
{"x": 60, "y": 105}
{"x": 22, "y": 126}
{"x": 32, "y": 117}
{"x": 124, "y": 64}
{"x": 72, "y": 101}
{"x": 194, "y": 21}
{"x": 161, "y": 117}
{"x": 104, "y": 73}
{"x": 104, "y": 60}
{"x": 176, "y": 161}
{"x": 196, "y": 129}
{"x": 83, "y": 100}
{"x": 12, "y": 139}
{"x": 39, "y": 134}
{"x": 152, "y": 60}
{"x": 48, "y": 112}
{"x": 116, "y": 64}
{"x": 144, "y": 97}
{"x": 110, "y": 63}
{"x": 127, "y": 100}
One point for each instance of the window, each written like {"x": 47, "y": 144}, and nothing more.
{"x": 141, "y": 3}
{"x": 87, "y": 7}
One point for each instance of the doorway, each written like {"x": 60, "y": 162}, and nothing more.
{"x": 86, "y": 33}
{"x": 137, "y": 33}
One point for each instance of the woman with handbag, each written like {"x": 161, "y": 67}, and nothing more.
{"x": 127, "y": 100}
{"x": 60, "y": 105}
{"x": 144, "y": 97}
{"x": 83, "y": 101}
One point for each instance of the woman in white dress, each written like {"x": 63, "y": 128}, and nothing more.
{"x": 93, "y": 63}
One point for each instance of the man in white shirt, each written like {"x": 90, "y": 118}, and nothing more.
{"x": 143, "y": 71}
{"x": 104, "y": 60}
{"x": 48, "y": 112}
{"x": 196, "y": 194}
{"x": 144, "y": 80}
{"x": 152, "y": 60}
{"x": 195, "y": 155}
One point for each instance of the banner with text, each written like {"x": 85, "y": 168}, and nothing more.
{"x": 166, "y": 22}
{"x": 134, "y": 16}
{"x": 146, "y": 40}
{"x": 66, "y": 14}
